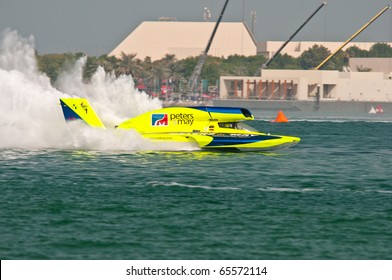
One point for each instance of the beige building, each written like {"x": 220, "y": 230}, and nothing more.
{"x": 185, "y": 39}
{"x": 295, "y": 49}
{"x": 373, "y": 64}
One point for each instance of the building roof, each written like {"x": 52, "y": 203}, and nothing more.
{"x": 374, "y": 64}
{"x": 295, "y": 49}
{"x": 184, "y": 39}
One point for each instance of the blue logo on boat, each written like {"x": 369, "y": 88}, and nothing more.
{"x": 159, "y": 119}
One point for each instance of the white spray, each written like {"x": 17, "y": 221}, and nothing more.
{"x": 30, "y": 114}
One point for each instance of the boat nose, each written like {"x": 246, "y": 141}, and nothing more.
{"x": 294, "y": 140}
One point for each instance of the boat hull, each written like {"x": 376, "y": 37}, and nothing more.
{"x": 256, "y": 142}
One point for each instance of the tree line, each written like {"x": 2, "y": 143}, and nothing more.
{"x": 176, "y": 73}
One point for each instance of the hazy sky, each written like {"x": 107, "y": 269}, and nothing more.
{"x": 97, "y": 26}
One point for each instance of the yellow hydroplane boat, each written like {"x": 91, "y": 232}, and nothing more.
{"x": 207, "y": 127}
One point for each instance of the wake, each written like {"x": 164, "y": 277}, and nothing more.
{"x": 30, "y": 114}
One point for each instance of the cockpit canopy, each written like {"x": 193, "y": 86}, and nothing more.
{"x": 236, "y": 125}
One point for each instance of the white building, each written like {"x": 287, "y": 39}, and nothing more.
{"x": 309, "y": 85}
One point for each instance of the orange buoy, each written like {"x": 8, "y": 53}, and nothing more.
{"x": 281, "y": 117}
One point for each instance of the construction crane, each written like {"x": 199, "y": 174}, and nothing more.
{"x": 352, "y": 37}
{"x": 265, "y": 65}
{"x": 197, "y": 70}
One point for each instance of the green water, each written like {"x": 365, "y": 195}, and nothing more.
{"x": 329, "y": 197}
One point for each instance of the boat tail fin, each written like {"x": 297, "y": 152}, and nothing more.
{"x": 80, "y": 108}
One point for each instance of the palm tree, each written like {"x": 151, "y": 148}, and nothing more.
{"x": 174, "y": 70}
{"x": 128, "y": 65}
{"x": 149, "y": 74}
{"x": 107, "y": 62}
